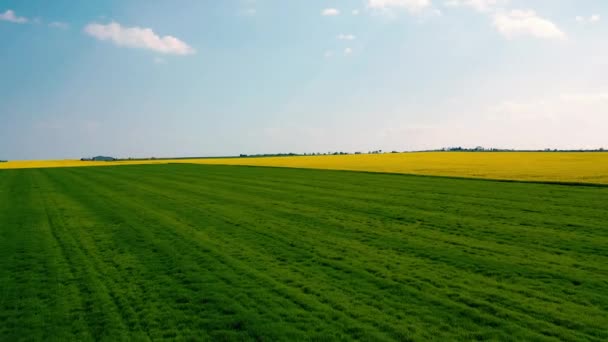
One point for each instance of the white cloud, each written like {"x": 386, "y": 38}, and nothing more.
{"x": 10, "y": 15}
{"x": 348, "y": 51}
{"x": 248, "y": 8}
{"x": 586, "y": 98}
{"x": 330, "y": 12}
{"x": 517, "y": 23}
{"x": 567, "y": 106}
{"x": 355, "y": 12}
{"x": 137, "y": 37}
{"x": 248, "y": 12}
{"x": 59, "y": 25}
{"x": 478, "y": 5}
{"x": 592, "y": 19}
{"x": 343, "y": 36}
{"x": 413, "y": 6}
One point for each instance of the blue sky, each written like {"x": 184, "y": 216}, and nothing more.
{"x": 195, "y": 78}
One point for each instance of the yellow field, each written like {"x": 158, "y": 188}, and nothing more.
{"x": 531, "y": 166}
{"x": 40, "y": 164}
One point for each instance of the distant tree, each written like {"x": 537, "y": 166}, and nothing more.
{"x": 100, "y": 158}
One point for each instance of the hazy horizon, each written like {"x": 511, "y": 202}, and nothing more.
{"x": 198, "y": 78}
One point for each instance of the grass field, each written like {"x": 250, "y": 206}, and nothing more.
{"x": 243, "y": 253}
{"x": 564, "y": 167}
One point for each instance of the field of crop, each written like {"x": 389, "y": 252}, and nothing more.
{"x": 528, "y": 166}
{"x": 247, "y": 253}
{"x": 564, "y": 167}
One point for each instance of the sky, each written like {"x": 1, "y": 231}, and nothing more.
{"x": 143, "y": 78}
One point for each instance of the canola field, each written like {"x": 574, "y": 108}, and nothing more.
{"x": 524, "y": 166}
{"x": 232, "y": 253}
{"x": 564, "y": 167}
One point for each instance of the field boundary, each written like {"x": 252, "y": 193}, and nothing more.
{"x": 593, "y": 185}
{"x": 170, "y": 162}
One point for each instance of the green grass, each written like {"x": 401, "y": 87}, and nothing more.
{"x": 194, "y": 252}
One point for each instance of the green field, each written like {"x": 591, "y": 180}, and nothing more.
{"x": 199, "y": 252}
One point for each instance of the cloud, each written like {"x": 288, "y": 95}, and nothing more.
{"x": 592, "y": 19}
{"x": 59, "y": 25}
{"x": 10, "y": 16}
{"x": 137, "y": 37}
{"x": 512, "y": 23}
{"x": 248, "y": 12}
{"x": 248, "y": 8}
{"x": 328, "y": 54}
{"x": 355, "y": 12}
{"x": 330, "y": 12}
{"x": 342, "y": 36}
{"x": 567, "y": 106}
{"x": 412, "y": 6}
{"x": 586, "y": 98}
{"x": 348, "y": 51}
{"x": 518, "y": 23}
{"x": 477, "y": 5}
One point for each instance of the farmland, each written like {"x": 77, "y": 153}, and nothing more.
{"x": 183, "y": 251}
{"x": 560, "y": 167}
{"x": 566, "y": 167}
